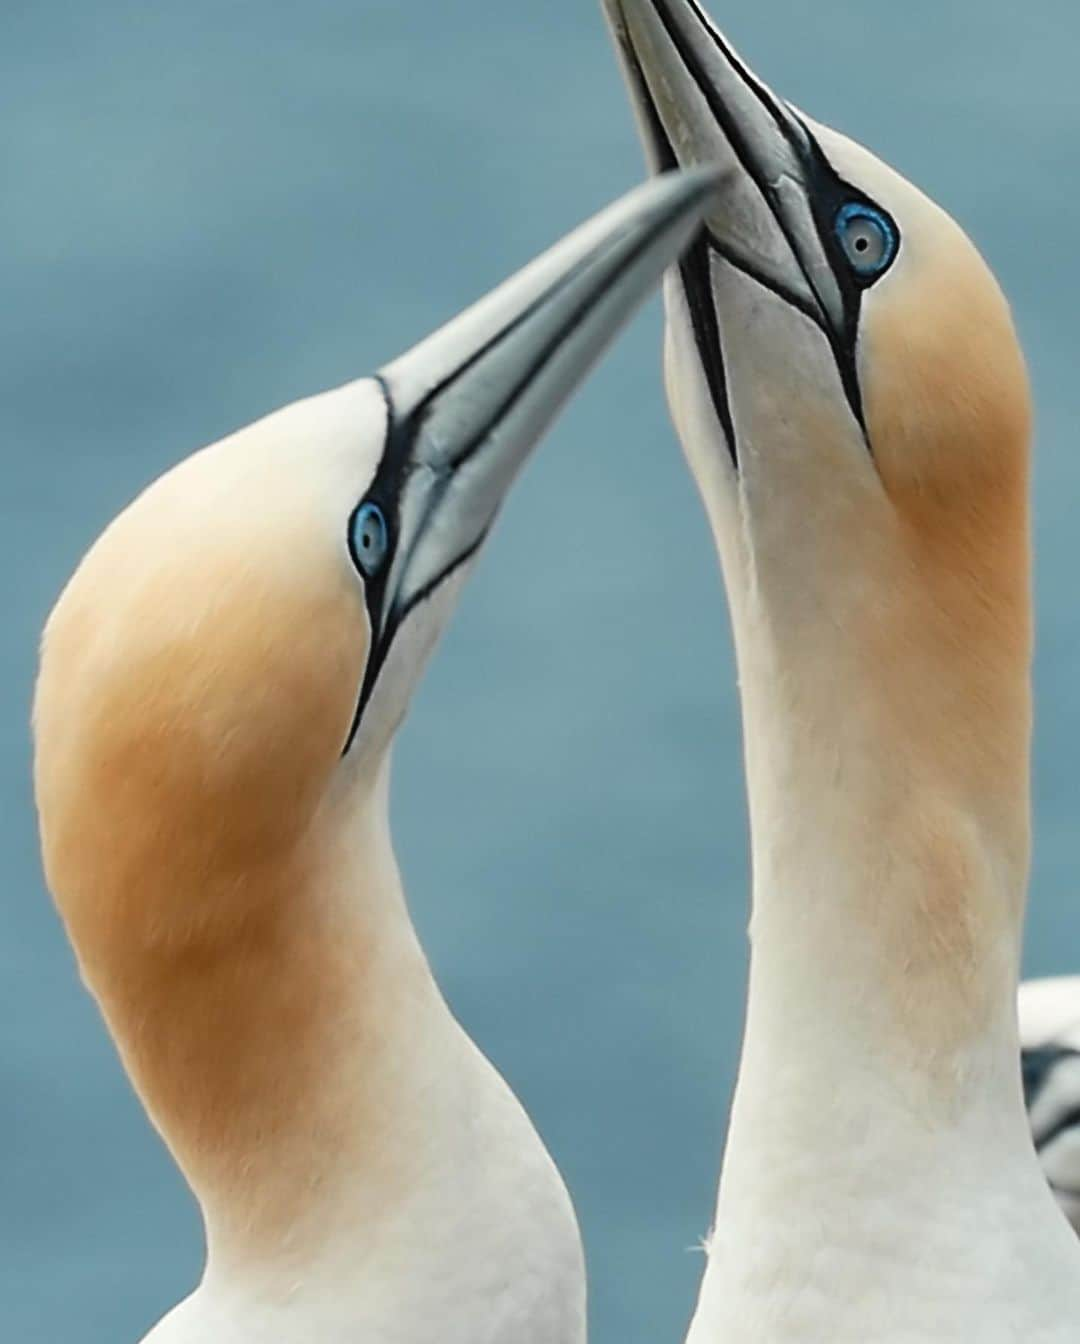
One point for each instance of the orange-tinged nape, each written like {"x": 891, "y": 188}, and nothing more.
{"x": 948, "y": 406}
{"x": 198, "y": 678}
{"x": 948, "y": 409}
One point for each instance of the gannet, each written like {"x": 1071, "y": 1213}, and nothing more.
{"x": 219, "y": 689}
{"x": 1050, "y": 1037}
{"x": 845, "y": 377}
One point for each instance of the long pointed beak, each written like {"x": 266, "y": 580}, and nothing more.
{"x": 698, "y": 102}
{"x": 468, "y": 405}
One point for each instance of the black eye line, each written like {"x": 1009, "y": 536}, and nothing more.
{"x": 393, "y": 473}
{"x": 827, "y": 193}
{"x": 843, "y": 352}
{"x": 728, "y": 123}
{"x": 787, "y": 122}
{"x": 693, "y": 272}
{"x": 821, "y": 180}
{"x": 385, "y": 493}
{"x": 819, "y": 172}
{"x": 831, "y": 194}
{"x": 399, "y": 435}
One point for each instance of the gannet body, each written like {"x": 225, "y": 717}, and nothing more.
{"x": 846, "y": 381}
{"x": 1050, "y": 1037}
{"x": 220, "y": 685}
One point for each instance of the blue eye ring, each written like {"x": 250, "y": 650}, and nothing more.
{"x": 868, "y": 239}
{"x": 369, "y": 539}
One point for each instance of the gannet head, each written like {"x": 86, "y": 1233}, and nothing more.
{"x": 846, "y": 380}
{"x": 234, "y": 654}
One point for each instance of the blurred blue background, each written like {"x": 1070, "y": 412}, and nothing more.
{"x": 211, "y": 208}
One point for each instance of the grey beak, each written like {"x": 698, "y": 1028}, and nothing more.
{"x": 698, "y": 102}
{"x": 773, "y": 215}
{"x": 468, "y": 405}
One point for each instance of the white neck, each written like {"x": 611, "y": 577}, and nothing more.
{"x": 879, "y": 1180}
{"x": 362, "y": 1169}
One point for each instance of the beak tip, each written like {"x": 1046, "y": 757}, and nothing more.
{"x": 691, "y": 186}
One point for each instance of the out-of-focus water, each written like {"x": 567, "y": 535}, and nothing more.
{"x": 211, "y": 208}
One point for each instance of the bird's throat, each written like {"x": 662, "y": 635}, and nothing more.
{"x": 278, "y": 1061}
{"x": 888, "y": 893}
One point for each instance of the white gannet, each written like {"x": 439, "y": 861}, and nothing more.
{"x": 1050, "y": 1037}
{"x": 220, "y": 685}
{"x": 845, "y": 378}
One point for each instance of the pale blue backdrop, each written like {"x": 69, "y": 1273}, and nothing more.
{"x": 214, "y": 206}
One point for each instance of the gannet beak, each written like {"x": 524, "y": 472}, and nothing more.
{"x": 697, "y": 102}
{"x": 467, "y": 406}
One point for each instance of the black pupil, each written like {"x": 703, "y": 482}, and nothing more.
{"x": 371, "y": 533}
{"x": 861, "y": 244}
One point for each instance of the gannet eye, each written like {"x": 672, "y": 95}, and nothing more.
{"x": 369, "y": 539}
{"x": 868, "y": 238}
